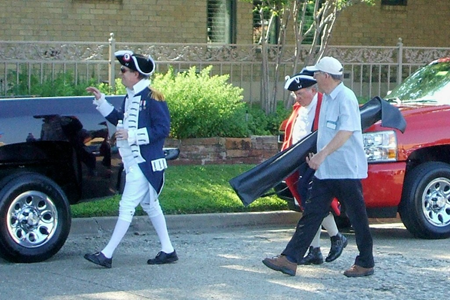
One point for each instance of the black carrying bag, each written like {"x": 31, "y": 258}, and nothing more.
{"x": 253, "y": 183}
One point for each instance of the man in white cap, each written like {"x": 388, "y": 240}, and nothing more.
{"x": 146, "y": 123}
{"x": 340, "y": 164}
{"x": 302, "y": 121}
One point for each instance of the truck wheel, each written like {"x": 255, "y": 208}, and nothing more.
{"x": 425, "y": 205}
{"x": 36, "y": 218}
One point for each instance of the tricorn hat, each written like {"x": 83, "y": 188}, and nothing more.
{"x": 136, "y": 62}
{"x": 301, "y": 80}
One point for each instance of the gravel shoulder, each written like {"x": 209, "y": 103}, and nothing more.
{"x": 225, "y": 263}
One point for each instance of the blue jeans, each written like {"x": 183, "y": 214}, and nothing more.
{"x": 317, "y": 207}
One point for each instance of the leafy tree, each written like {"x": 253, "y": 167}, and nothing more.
{"x": 307, "y": 17}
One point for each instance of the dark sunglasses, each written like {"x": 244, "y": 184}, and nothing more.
{"x": 124, "y": 70}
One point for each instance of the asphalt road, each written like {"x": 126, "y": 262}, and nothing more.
{"x": 220, "y": 260}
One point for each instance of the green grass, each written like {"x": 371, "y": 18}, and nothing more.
{"x": 191, "y": 190}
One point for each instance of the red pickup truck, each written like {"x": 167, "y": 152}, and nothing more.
{"x": 409, "y": 173}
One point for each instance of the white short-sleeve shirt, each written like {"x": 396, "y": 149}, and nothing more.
{"x": 340, "y": 111}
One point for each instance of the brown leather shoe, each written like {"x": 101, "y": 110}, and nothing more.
{"x": 357, "y": 271}
{"x": 282, "y": 264}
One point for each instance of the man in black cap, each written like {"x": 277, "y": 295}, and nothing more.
{"x": 146, "y": 124}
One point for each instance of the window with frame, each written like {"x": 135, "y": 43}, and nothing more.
{"x": 274, "y": 30}
{"x": 221, "y": 21}
{"x": 394, "y": 2}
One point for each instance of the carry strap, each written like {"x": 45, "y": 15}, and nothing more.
{"x": 316, "y": 115}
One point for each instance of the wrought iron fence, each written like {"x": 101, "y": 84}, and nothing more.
{"x": 369, "y": 71}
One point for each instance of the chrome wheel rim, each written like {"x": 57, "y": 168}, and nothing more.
{"x": 32, "y": 219}
{"x": 436, "y": 203}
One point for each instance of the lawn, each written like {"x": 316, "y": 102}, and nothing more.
{"x": 191, "y": 190}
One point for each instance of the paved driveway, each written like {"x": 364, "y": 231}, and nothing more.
{"x": 226, "y": 263}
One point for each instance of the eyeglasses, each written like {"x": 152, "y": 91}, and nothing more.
{"x": 317, "y": 73}
{"x": 124, "y": 70}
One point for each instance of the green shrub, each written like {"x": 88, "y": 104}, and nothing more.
{"x": 261, "y": 124}
{"x": 202, "y": 105}
{"x": 118, "y": 90}
{"x": 61, "y": 85}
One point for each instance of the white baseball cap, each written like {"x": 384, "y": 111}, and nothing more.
{"x": 328, "y": 65}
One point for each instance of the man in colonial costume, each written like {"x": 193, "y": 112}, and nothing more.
{"x": 146, "y": 124}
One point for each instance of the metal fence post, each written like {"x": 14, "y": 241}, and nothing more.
{"x": 111, "y": 75}
{"x": 400, "y": 61}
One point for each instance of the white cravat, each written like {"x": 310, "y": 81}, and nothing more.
{"x": 304, "y": 121}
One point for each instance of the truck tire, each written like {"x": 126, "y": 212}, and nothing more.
{"x": 425, "y": 204}
{"x": 36, "y": 218}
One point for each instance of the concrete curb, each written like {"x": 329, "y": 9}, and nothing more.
{"x": 196, "y": 222}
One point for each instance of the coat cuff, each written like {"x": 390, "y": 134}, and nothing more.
{"x": 103, "y": 106}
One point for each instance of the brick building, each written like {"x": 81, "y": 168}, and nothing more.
{"x": 420, "y": 23}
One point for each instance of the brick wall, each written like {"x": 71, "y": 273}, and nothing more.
{"x": 174, "y": 21}
{"x": 420, "y": 23}
{"x": 253, "y": 150}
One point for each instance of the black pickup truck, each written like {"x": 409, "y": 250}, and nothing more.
{"x": 54, "y": 152}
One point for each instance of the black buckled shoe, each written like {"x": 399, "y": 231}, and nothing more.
{"x": 314, "y": 257}
{"x": 338, "y": 243}
{"x": 99, "y": 259}
{"x": 163, "y": 258}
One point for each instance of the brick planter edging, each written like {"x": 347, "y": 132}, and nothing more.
{"x": 219, "y": 150}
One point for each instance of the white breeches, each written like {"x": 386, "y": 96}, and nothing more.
{"x": 138, "y": 191}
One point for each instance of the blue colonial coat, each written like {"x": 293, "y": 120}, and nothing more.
{"x": 149, "y": 119}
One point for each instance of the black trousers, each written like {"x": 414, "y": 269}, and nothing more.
{"x": 304, "y": 182}
{"x": 317, "y": 207}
